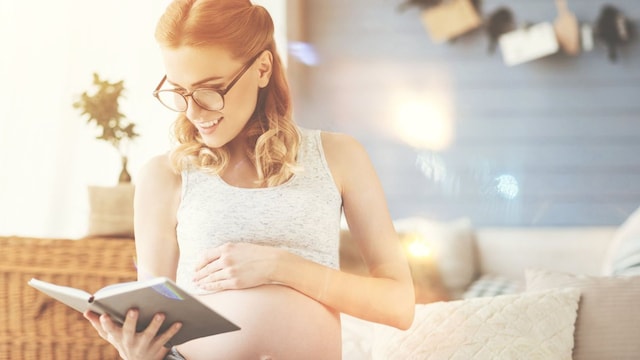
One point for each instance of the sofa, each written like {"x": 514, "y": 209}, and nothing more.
{"x": 470, "y": 282}
{"x": 511, "y": 293}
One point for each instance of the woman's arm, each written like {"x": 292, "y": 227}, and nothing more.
{"x": 156, "y": 201}
{"x": 388, "y": 295}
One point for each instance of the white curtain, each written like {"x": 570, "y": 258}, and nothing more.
{"x": 48, "y": 153}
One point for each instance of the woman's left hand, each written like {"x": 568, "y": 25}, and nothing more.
{"x": 235, "y": 266}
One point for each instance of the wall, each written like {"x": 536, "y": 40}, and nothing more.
{"x": 48, "y": 153}
{"x": 554, "y": 142}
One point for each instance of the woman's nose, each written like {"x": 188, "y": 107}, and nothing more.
{"x": 194, "y": 111}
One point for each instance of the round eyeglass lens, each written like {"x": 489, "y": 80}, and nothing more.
{"x": 172, "y": 100}
{"x": 208, "y": 99}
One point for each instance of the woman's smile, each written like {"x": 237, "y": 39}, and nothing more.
{"x": 207, "y": 127}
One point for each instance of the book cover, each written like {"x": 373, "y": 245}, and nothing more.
{"x": 149, "y": 297}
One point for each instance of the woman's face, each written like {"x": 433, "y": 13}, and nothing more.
{"x": 189, "y": 68}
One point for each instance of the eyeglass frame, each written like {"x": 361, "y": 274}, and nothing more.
{"x": 222, "y": 92}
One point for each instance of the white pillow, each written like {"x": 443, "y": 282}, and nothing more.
{"x": 623, "y": 256}
{"x": 453, "y": 249}
{"x": 536, "y": 325}
{"x": 357, "y": 335}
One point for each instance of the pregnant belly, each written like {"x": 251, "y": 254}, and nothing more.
{"x": 276, "y": 323}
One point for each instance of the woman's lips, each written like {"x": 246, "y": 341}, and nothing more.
{"x": 208, "y": 127}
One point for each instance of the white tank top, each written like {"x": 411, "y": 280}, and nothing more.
{"x": 301, "y": 216}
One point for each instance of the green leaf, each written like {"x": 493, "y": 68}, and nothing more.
{"x": 101, "y": 109}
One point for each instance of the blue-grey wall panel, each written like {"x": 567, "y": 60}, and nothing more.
{"x": 553, "y": 142}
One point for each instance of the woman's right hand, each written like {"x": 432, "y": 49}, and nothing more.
{"x": 132, "y": 345}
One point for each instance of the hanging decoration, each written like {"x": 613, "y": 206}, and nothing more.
{"x": 423, "y": 4}
{"x": 499, "y": 23}
{"x": 614, "y": 29}
{"x": 567, "y": 29}
{"x": 529, "y": 43}
{"x": 450, "y": 20}
{"x": 447, "y": 20}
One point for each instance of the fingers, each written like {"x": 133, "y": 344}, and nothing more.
{"x": 212, "y": 271}
{"x": 154, "y": 326}
{"x": 166, "y": 336}
{"x": 234, "y": 266}
{"x": 130, "y": 323}
{"x": 160, "y": 341}
{"x": 94, "y": 319}
{"x": 107, "y": 324}
{"x": 216, "y": 278}
{"x": 210, "y": 255}
{"x": 218, "y": 285}
{"x": 111, "y": 332}
{"x": 125, "y": 338}
{"x": 208, "y": 272}
{"x": 212, "y": 274}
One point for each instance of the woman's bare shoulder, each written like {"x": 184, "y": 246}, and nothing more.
{"x": 343, "y": 151}
{"x": 159, "y": 172}
{"x": 342, "y": 146}
{"x": 346, "y": 157}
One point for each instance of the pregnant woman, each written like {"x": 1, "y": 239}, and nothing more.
{"x": 245, "y": 210}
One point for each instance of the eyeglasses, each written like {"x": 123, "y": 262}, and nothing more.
{"x": 208, "y": 98}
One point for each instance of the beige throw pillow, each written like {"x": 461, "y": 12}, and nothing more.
{"x": 426, "y": 278}
{"x": 525, "y": 326}
{"x": 111, "y": 210}
{"x": 608, "y": 323}
{"x": 453, "y": 249}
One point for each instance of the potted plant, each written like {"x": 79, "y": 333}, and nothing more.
{"x": 101, "y": 108}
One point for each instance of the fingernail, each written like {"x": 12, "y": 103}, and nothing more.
{"x": 159, "y": 317}
{"x": 132, "y": 314}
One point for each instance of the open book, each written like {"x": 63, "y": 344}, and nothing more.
{"x": 149, "y": 297}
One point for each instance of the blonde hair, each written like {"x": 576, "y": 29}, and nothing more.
{"x": 245, "y": 30}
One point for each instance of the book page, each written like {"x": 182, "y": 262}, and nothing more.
{"x": 75, "y": 298}
{"x": 120, "y": 288}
